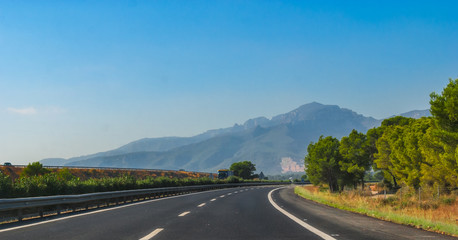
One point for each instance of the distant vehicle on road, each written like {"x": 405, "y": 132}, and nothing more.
{"x": 7, "y": 164}
{"x": 224, "y": 173}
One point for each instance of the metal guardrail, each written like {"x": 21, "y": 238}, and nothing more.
{"x": 17, "y": 208}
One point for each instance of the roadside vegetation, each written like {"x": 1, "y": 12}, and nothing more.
{"x": 416, "y": 158}
{"x": 432, "y": 214}
{"x": 35, "y": 180}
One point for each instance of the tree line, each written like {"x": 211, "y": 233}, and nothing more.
{"x": 412, "y": 152}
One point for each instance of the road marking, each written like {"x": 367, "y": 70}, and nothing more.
{"x": 214, "y": 199}
{"x": 201, "y": 205}
{"x": 152, "y": 234}
{"x": 236, "y": 192}
{"x": 222, "y": 196}
{"x": 103, "y": 210}
{"x": 297, "y": 220}
{"x": 229, "y": 194}
{"x": 184, "y": 214}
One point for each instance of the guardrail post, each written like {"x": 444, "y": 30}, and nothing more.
{"x": 19, "y": 215}
{"x": 59, "y": 208}
{"x": 41, "y": 212}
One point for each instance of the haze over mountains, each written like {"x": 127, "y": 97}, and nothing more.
{"x": 275, "y": 145}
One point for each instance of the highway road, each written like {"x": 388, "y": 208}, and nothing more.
{"x": 237, "y": 213}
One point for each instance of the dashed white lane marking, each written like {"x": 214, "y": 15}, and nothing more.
{"x": 214, "y": 199}
{"x": 184, "y": 214}
{"x": 201, "y": 205}
{"x": 236, "y": 192}
{"x": 297, "y": 220}
{"x": 152, "y": 234}
{"x": 222, "y": 196}
{"x": 229, "y": 194}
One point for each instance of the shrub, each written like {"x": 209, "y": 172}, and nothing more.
{"x": 6, "y": 185}
{"x": 448, "y": 201}
{"x": 234, "y": 179}
{"x": 34, "y": 169}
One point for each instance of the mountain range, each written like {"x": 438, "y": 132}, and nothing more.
{"x": 275, "y": 145}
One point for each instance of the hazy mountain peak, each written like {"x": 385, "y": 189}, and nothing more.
{"x": 259, "y": 121}
{"x": 417, "y": 114}
{"x": 314, "y": 111}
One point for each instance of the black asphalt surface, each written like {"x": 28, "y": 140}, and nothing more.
{"x": 237, "y": 213}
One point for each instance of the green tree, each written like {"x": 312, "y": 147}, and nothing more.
{"x": 408, "y": 152}
{"x": 356, "y": 158}
{"x": 373, "y": 135}
{"x": 382, "y": 159}
{"x": 322, "y": 162}
{"x": 441, "y": 144}
{"x": 444, "y": 107}
{"x": 396, "y": 121}
{"x": 243, "y": 169}
{"x": 34, "y": 169}
{"x": 389, "y": 144}
{"x": 399, "y": 152}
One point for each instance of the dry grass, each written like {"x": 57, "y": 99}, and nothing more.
{"x": 434, "y": 214}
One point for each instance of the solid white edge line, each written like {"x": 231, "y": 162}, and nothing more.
{"x": 184, "y": 214}
{"x": 103, "y": 210}
{"x": 297, "y": 220}
{"x": 152, "y": 234}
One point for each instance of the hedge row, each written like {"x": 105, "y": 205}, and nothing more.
{"x": 56, "y": 184}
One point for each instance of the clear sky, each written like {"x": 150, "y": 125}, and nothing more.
{"x": 79, "y": 77}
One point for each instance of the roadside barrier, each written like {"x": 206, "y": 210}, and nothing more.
{"x": 19, "y": 209}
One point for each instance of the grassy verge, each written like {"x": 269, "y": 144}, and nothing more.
{"x": 441, "y": 219}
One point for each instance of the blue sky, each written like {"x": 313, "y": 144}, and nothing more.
{"x": 78, "y": 77}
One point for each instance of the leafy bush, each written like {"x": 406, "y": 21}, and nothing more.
{"x": 34, "y": 169}
{"x": 6, "y": 185}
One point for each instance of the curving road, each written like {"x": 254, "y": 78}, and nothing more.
{"x": 241, "y": 213}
